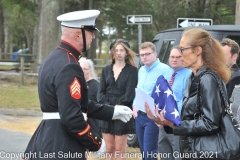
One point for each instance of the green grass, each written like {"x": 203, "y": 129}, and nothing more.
{"x": 7, "y": 68}
{"x": 15, "y": 96}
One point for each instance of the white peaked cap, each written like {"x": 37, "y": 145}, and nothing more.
{"x": 80, "y": 19}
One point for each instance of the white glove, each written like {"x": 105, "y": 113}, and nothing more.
{"x": 101, "y": 151}
{"x": 124, "y": 118}
{"x": 122, "y": 113}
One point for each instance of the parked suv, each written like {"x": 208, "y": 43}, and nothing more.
{"x": 166, "y": 39}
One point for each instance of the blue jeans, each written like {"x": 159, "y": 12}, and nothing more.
{"x": 147, "y": 132}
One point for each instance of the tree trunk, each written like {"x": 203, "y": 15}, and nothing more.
{"x": 1, "y": 29}
{"x": 29, "y": 40}
{"x": 119, "y": 32}
{"x": 100, "y": 49}
{"x": 35, "y": 47}
{"x": 237, "y": 15}
{"x": 91, "y": 53}
{"x": 7, "y": 41}
{"x": 7, "y": 44}
{"x": 48, "y": 30}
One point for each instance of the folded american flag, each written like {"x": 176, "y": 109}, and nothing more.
{"x": 164, "y": 99}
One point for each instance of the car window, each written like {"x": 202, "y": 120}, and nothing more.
{"x": 235, "y": 38}
{"x": 165, "y": 50}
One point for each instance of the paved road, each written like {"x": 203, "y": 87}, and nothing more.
{"x": 12, "y": 144}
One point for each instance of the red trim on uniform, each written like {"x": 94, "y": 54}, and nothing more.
{"x": 84, "y": 131}
{"x": 75, "y": 59}
{"x": 68, "y": 56}
{"x": 72, "y": 47}
{"x": 63, "y": 49}
{"x": 87, "y": 130}
{"x": 69, "y": 53}
{"x": 99, "y": 145}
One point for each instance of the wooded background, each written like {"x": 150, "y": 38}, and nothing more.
{"x": 32, "y": 23}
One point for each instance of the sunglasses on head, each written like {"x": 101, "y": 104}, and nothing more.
{"x": 121, "y": 41}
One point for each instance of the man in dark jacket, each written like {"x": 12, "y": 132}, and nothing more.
{"x": 63, "y": 132}
{"x": 231, "y": 49}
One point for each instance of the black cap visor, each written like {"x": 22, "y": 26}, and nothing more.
{"x": 91, "y": 28}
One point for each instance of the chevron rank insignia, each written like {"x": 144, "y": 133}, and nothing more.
{"x": 75, "y": 89}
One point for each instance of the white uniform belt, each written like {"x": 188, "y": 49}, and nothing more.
{"x": 51, "y": 115}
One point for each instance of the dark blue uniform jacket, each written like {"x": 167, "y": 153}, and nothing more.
{"x": 62, "y": 88}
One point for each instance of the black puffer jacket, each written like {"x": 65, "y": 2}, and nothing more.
{"x": 210, "y": 106}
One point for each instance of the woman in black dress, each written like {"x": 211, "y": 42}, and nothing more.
{"x": 92, "y": 84}
{"x": 117, "y": 87}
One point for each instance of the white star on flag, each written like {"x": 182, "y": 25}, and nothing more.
{"x": 176, "y": 114}
{"x": 164, "y": 109}
{"x": 168, "y": 92}
{"x": 157, "y": 90}
{"x": 165, "y": 99}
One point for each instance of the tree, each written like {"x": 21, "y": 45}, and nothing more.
{"x": 91, "y": 53}
{"x": 1, "y": 29}
{"x": 237, "y": 16}
{"x": 48, "y": 28}
{"x": 221, "y": 11}
{"x": 75, "y": 5}
{"x": 17, "y": 19}
{"x": 33, "y": 24}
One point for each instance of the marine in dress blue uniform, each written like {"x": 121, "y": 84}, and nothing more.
{"x": 64, "y": 133}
